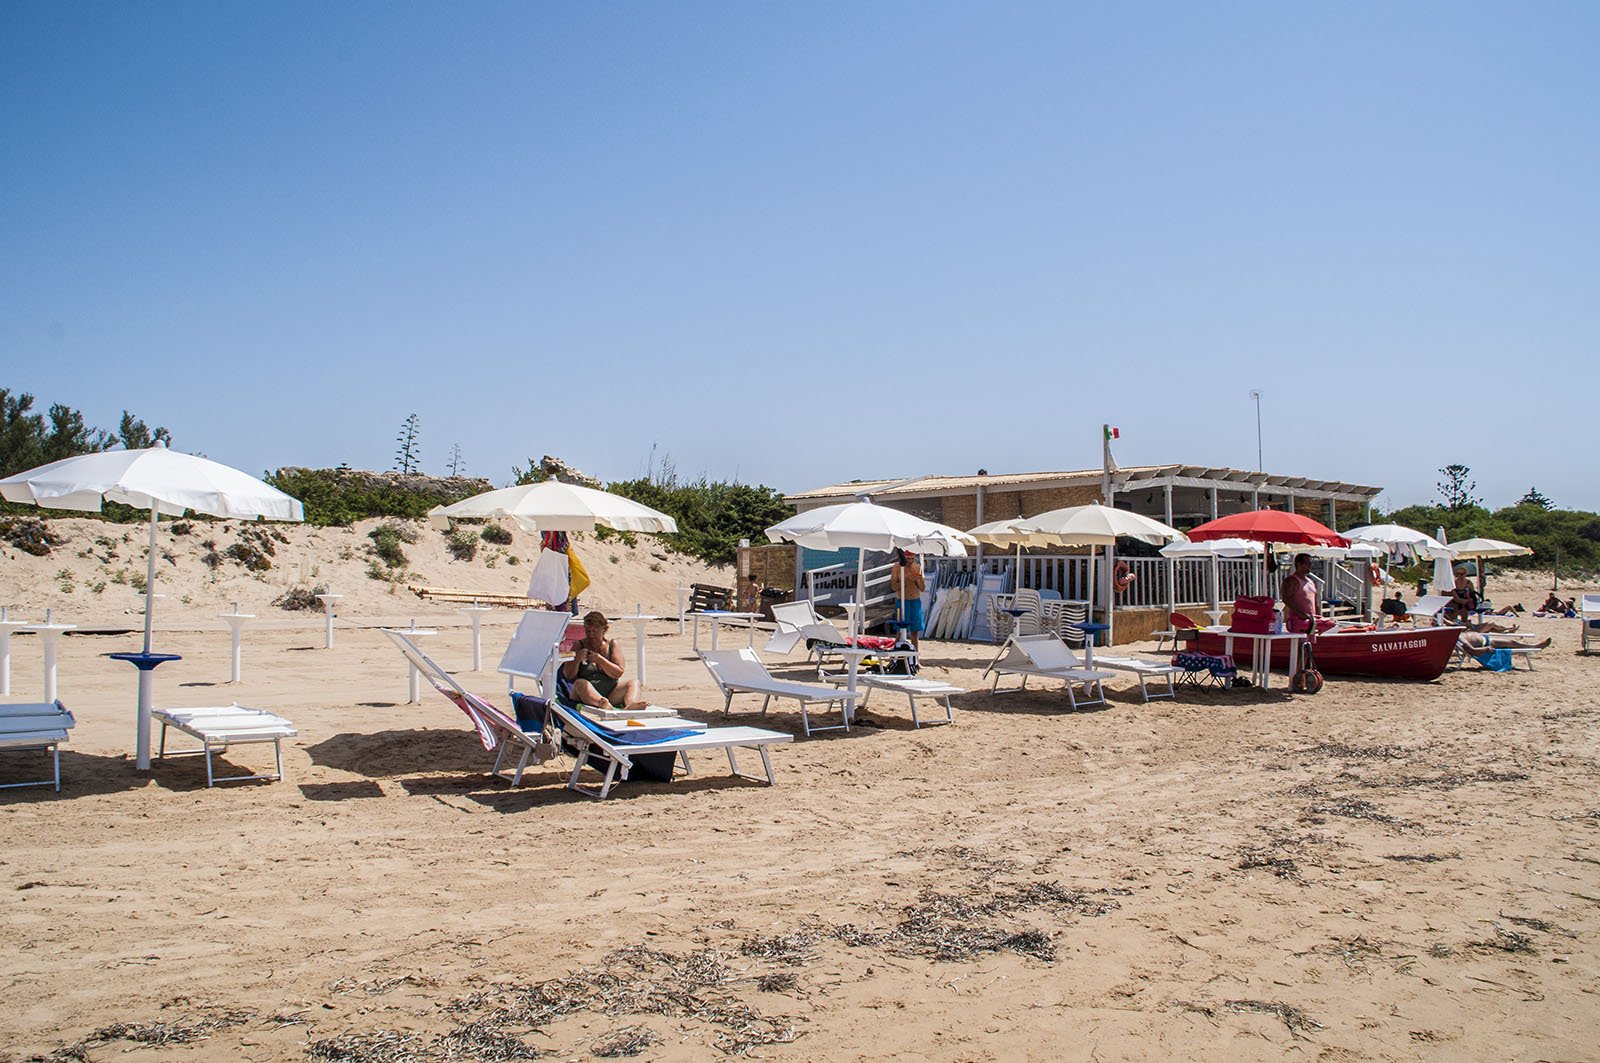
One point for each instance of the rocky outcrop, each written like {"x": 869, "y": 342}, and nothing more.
{"x": 557, "y": 469}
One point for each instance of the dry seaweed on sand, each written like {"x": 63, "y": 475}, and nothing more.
{"x": 1293, "y": 1018}
{"x": 1341, "y": 751}
{"x": 1422, "y": 858}
{"x": 638, "y": 980}
{"x": 1513, "y": 941}
{"x": 628, "y": 1041}
{"x": 377, "y": 1046}
{"x": 1540, "y": 925}
{"x": 1354, "y": 808}
{"x": 186, "y": 1030}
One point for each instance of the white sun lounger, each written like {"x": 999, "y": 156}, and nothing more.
{"x": 798, "y": 621}
{"x": 1036, "y": 656}
{"x": 534, "y": 650}
{"x": 911, "y": 686}
{"x": 741, "y": 672}
{"x": 220, "y": 727}
{"x": 1428, "y": 607}
{"x": 35, "y": 725}
{"x": 588, "y": 739}
{"x": 1059, "y": 655}
{"x": 598, "y": 747}
{"x": 1589, "y": 617}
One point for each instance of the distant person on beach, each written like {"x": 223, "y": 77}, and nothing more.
{"x": 1463, "y": 600}
{"x": 594, "y": 674}
{"x": 1395, "y": 607}
{"x": 905, "y": 579}
{"x": 1558, "y": 607}
{"x": 1299, "y": 594}
{"x": 752, "y": 594}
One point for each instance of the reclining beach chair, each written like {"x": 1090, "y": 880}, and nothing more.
{"x": 1429, "y": 607}
{"x": 534, "y": 650}
{"x": 1180, "y": 622}
{"x": 911, "y": 686}
{"x": 223, "y": 726}
{"x": 498, "y": 732}
{"x": 799, "y": 621}
{"x": 1039, "y": 656}
{"x": 741, "y": 672}
{"x": 1459, "y": 655}
{"x": 1589, "y": 617}
{"x": 1049, "y": 655}
{"x": 653, "y": 752}
{"x": 36, "y": 725}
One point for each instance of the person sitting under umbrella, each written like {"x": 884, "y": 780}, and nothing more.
{"x": 593, "y": 676}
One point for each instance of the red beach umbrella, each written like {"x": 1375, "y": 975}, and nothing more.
{"x": 1269, "y": 526}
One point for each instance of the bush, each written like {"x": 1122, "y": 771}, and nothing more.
{"x": 712, "y": 517}
{"x": 463, "y": 544}
{"x": 30, "y": 535}
{"x": 301, "y": 599}
{"x": 386, "y": 545}
{"x": 249, "y": 555}
{"x": 497, "y": 535}
{"x": 343, "y": 496}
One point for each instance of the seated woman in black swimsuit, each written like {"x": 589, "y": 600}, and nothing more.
{"x": 594, "y": 674}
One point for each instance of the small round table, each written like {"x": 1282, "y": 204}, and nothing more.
{"x": 475, "y": 614}
{"x": 414, "y": 685}
{"x": 50, "y": 634}
{"x": 327, "y": 601}
{"x": 6, "y": 628}
{"x": 147, "y": 664}
{"x": 1091, "y": 631}
{"x": 639, "y": 621}
{"x": 236, "y": 621}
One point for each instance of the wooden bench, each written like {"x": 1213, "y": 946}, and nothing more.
{"x": 506, "y": 600}
{"x": 705, "y": 598}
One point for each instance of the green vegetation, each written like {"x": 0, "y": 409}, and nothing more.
{"x": 343, "y": 496}
{"x": 1575, "y": 533}
{"x": 463, "y": 544}
{"x": 386, "y": 544}
{"x": 712, "y": 517}
{"x": 408, "y": 457}
{"x": 495, "y": 535}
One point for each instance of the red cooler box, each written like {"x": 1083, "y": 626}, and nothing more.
{"x": 1253, "y": 615}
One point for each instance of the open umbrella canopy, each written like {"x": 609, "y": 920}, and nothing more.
{"x": 1006, "y": 533}
{"x": 864, "y": 526}
{"x": 1419, "y": 543}
{"x": 556, "y": 506}
{"x": 1213, "y": 548}
{"x": 1269, "y": 526}
{"x": 1480, "y": 547}
{"x": 156, "y": 478}
{"x": 162, "y": 481}
{"x": 1096, "y": 525}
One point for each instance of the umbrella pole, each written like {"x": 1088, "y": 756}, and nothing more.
{"x": 150, "y": 578}
{"x": 861, "y": 594}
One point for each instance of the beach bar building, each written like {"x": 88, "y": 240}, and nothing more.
{"x": 1180, "y": 495}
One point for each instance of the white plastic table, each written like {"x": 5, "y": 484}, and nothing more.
{"x": 236, "y": 621}
{"x": 717, "y": 617}
{"x": 414, "y": 686}
{"x": 327, "y": 601}
{"x": 475, "y": 614}
{"x": 49, "y": 634}
{"x": 639, "y": 620}
{"x": 853, "y": 669}
{"x": 1215, "y": 615}
{"x": 6, "y": 628}
{"x": 1261, "y": 651}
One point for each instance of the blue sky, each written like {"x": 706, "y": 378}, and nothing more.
{"x": 797, "y": 244}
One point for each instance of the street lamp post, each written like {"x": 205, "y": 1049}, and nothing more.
{"x": 1255, "y": 393}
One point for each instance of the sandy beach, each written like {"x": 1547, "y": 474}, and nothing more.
{"x": 1387, "y": 870}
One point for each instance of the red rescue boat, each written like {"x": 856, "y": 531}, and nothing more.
{"x": 1388, "y": 653}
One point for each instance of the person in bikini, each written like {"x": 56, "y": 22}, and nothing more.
{"x": 594, "y": 673}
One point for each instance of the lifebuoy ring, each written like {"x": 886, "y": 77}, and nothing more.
{"x": 1122, "y": 577}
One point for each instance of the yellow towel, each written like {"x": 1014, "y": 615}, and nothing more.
{"x": 578, "y": 575}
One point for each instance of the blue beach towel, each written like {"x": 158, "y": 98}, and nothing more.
{"x": 1496, "y": 660}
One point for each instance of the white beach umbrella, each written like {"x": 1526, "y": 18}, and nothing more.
{"x": 1444, "y": 572}
{"x": 863, "y": 526}
{"x": 1214, "y": 548}
{"x": 162, "y": 481}
{"x": 1419, "y": 543}
{"x": 1481, "y": 547}
{"x": 1005, "y": 533}
{"x": 556, "y": 506}
{"x": 1095, "y": 525}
